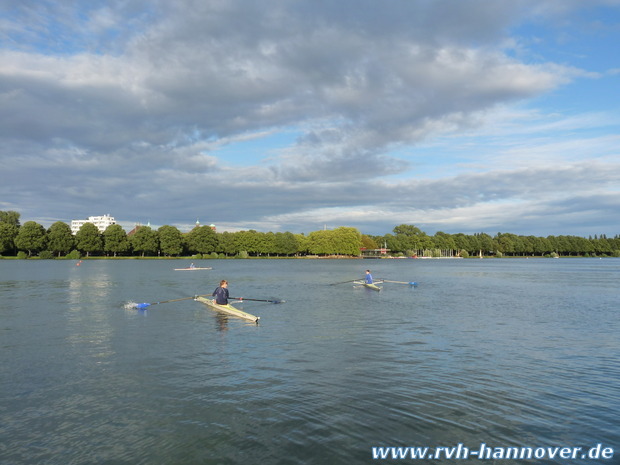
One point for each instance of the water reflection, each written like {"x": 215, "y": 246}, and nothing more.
{"x": 90, "y": 288}
{"x": 221, "y": 322}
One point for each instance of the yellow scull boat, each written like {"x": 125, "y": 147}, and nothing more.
{"x": 373, "y": 286}
{"x": 228, "y": 309}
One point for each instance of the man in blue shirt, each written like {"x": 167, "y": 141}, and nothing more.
{"x": 368, "y": 277}
{"x": 221, "y": 293}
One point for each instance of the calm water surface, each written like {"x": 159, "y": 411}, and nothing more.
{"x": 503, "y": 352}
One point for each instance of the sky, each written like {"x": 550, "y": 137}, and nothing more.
{"x": 298, "y": 115}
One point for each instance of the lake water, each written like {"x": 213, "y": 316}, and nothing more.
{"x": 505, "y": 352}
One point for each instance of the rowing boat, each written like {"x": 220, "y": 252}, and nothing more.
{"x": 373, "y": 286}
{"x": 228, "y": 309}
{"x": 192, "y": 269}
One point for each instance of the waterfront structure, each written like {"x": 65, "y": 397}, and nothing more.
{"x": 102, "y": 222}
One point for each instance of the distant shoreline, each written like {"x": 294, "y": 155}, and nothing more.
{"x": 313, "y": 257}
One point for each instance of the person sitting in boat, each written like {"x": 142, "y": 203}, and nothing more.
{"x": 368, "y": 277}
{"x": 192, "y": 266}
{"x": 221, "y": 293}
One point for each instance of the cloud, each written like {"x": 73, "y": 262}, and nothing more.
{"x": 130, "y": 107}
{"x": 224, "y": 70}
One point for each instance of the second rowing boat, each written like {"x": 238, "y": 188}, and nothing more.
{"x": 193, "y": 269}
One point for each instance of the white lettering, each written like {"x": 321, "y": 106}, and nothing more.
{"x": 484, "y": 452}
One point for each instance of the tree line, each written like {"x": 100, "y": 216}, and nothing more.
{"x": 411, "y": 241}
{"x": 32, "y": 239}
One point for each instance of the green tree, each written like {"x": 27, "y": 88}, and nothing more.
{"x": 59, "y": 238}
{"x": 340, "y": 241}
{"x": 506, "y": 243}
{"x": 564, "y": 245}
{"x": 226, "y": 243}
{"x": 484, "y": 243}
{"x": 267, "y": 243}
{"x": 88, "y": 239}
{"x": 583, "y": 245}
{"x": 170, "y": 240}
{"x": 443, "y": 241}
{"x": 145, "y": 241}
{"x": 202, "y": 239}
{"x": 10, "y": 217}
{"x": 407, "y": 230}
{"x": 319, "y": 243}
{"x": 247, "y": 241}
{"x": 115, "y": 240}
{"x": 543, "y": 246}
{"x": 409, "y": 237}
{"x": 524, "y": 245}
{"x": 602, "y": 245}
{"x": 462, "y": 243}
{"x": 31, "y": 237}
{"x": 553, "y": 244}
{"x": 8, "y": 234}
{"x": 303, "y": 244}
{"x": 348, "y": 241}
{"x": 286, "y": 243}
{"x": 369, "y": 243}
{"x": 392, "y": 243}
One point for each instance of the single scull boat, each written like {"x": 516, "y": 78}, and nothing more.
{"x": 192, "y": 269}
{"x": 373, "y": 286}
{"x": 228, "y": 309}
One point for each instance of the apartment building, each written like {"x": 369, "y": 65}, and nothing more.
{"x": 102, "y": 222}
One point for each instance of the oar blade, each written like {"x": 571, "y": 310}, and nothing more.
{"x": 142, "y": 305}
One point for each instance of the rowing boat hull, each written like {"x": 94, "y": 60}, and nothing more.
{"x": 374, "y": 287}
{"x": 228, "y": 309}
{"x": 192, "y": 269}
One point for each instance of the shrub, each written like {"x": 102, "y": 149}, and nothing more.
{"x": 74, "y": 255}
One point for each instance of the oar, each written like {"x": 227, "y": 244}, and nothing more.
{"x": 145, "y": 304}
{"x": 344, "y": 282}
{"x": 412, "y": 283}
{"x": 275, "y": 301}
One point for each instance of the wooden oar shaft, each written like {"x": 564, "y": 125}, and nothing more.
{"x": 256, "y": 300}
{"x": 172, "y": 300}
{"x": 399, "y": 282}
{"x": 145, "y": 304}
{"x": 344, "y": 282}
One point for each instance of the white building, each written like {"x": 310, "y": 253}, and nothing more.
{"x": 102, "y": 222}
